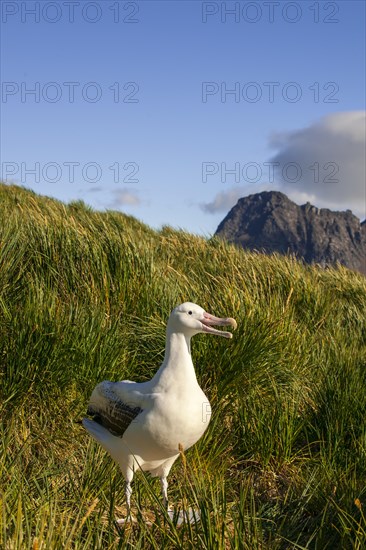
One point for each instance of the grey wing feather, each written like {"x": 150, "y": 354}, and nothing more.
{"x": 115, "y": 415}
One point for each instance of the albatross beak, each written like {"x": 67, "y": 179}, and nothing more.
{"x": 209, "y": 320}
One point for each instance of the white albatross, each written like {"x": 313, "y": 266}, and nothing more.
{"x": 144, "y": 425}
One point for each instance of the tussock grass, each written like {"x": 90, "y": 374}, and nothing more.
{"x": 84, "y": 296}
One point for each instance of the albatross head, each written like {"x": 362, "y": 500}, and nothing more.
{"x": 192, "y": 319}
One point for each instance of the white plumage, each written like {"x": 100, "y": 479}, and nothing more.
{"x": 143, "y": 425}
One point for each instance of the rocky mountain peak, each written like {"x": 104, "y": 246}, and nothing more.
{"x": 271, "y": 222}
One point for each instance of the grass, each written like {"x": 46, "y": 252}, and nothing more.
{"x": 84, "y": 296}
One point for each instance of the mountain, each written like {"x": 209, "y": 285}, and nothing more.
{"x": 271, "y": 222}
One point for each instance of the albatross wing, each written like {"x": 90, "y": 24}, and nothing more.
{"x": 108, "y": 410}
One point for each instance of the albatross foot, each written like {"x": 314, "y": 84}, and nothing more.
{"x": 130, "y": 519}
{"x": 179, "y": 517}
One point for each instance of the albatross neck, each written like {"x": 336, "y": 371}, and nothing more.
{"x": 177, "y": 367}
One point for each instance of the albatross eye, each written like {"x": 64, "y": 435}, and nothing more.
{"x": 190, "y": 312}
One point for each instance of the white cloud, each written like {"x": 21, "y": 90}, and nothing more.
{"x": 328, "y": 160}
{"x": 96, "y": 189}
{"x": 225, "y": 200}
{"x": 125, "y": 196}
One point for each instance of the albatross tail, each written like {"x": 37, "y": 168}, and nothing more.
{"x": 111, "y": 443}
{"x": 98, "y": 432}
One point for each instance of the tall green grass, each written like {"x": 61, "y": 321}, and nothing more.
{"x": 84, "y": 296}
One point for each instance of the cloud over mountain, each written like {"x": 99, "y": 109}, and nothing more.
{"x": 323, "y": 163}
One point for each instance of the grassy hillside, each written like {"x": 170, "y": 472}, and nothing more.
{"x": 84, "y": 296}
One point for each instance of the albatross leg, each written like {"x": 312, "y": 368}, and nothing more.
{"x": 164, "y": 490}
{"x": 189, "y": 516}
{"x": 128, "y": 492}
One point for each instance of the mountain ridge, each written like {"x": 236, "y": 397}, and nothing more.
{"x": 270, "y": 222}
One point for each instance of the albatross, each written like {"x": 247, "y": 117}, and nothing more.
{"x": 146, "y": 425}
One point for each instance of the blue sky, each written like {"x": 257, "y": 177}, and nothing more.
{"x": 132, "y": 109}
